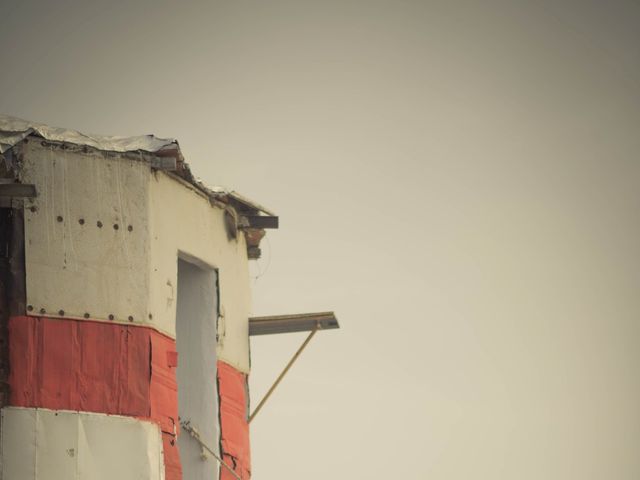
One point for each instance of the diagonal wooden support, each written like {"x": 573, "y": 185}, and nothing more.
{"x": 284, "y": 372}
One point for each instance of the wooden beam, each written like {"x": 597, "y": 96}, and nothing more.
{"x": 304, "y": 322}
{"x": 259, "y": 221}
{"x": 23, "y": 190}
{"x": 164, "y": 163}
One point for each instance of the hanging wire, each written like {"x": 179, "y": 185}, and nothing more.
{"x": 262, "y": 272}
{"x": 186, "y": 426}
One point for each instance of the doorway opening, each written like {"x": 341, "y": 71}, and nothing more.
{"x": 196, "y": 318}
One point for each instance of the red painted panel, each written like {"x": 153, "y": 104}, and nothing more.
{"x": 80, "y": 365}
{"x": 164, "y": 388}
{"x": 234, "y": 426}
{"x": 65, "y": 364}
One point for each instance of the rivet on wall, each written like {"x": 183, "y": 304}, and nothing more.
{"x": 59, "y": 218}
{"x": 86, "y": 315}
{"x": 43, "y": 311}
{"x": 130, "y": 228}
{"x": 130, "y": 318}
{"x": 30, "y": 308}
{"x": 99, "y": 224}
{"x": 111, "y": 317}
{"x": 115, "y": 226}
{"x": 61, "y": 312}
{"x": 81, "y": 221}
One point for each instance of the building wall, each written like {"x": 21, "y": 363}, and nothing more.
{"x": 78, "y": 263}
{"x": 183, "y": 222}
{"x": 42, "y": 444}
{"x": 128, "y": 274}
{"x": 102, "y": 243}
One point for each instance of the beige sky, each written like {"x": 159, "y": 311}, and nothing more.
{"x": 459, "y": 181}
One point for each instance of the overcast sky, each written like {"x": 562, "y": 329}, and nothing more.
{"x": 459, "y": 181}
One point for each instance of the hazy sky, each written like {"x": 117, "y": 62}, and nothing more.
{"x": 459, "y": 181}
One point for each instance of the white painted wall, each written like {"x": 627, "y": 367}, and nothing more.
{"x": 102, "y": 271}
{"x": 83, "y": 268}
{"x": 40, "y": 444}
{"x": 182, "y": 220}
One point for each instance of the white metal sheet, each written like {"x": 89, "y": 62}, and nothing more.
{"x": 86, "y": 235}
{"x": 40, "y": 444}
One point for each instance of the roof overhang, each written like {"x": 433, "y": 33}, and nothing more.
{"x": 161, "y": 153}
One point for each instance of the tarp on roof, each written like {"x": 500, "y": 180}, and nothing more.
{"x": 14, "y": 130}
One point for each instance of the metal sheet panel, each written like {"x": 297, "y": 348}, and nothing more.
{"x": 79, "y": 365}
{"x": 86, "y": 232}
{"x": 39, "y": 444}
{"x": 90, "y": 366}
{"x": 17, "y": 444}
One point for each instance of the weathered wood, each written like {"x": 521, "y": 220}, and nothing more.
{"x": 17, "y": 190}
{"x": 260, "y": 221}
{"x": 164, "y": 163}
{"x": 18, "y": 292}
{"x": 5, "y": 289}
{"x": 304, "y": 322}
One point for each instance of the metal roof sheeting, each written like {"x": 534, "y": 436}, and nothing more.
{"x": 14, "y": 130}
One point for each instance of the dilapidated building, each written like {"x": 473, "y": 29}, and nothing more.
{"x": 125, "y": 315}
